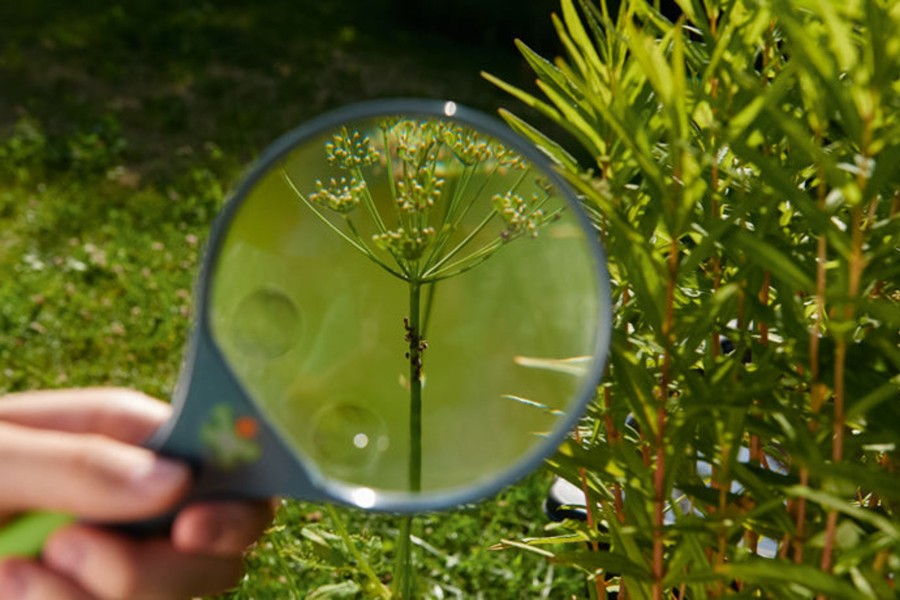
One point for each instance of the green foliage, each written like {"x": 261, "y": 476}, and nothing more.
{"x": 100, "y": 293}
{"x": 122, "y": 126}
{"x": 742, "y": 167}
{"x": 454, "y": 556}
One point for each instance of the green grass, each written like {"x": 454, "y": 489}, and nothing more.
{"x": 121, "y": 129}
{"x": 453, "y": 558}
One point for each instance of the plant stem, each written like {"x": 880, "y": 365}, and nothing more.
{"x": 856, "y": 266}
{"x": 358, "y": 243}
{"x": 599, "y": 576}
{"x": 659, "y": 472}
{"x": 613, "y": 436}
{"x": 403, "y": 571}
{"x": 377, "y": 585}
{"x": 416, "y": 346}
{"x": 403, "y": 567}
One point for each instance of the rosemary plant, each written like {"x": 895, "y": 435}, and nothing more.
{"x": 742, "y": 164}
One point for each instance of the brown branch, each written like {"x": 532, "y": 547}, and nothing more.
{"x": 599, "y": 580}
{"x": 659, "y": 473}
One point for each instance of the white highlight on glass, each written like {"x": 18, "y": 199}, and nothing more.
{"x": 363, "y": 497}
{"x": 450, "y": 108}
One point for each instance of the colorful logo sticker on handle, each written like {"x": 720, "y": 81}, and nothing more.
{"x": 230, "y": 441}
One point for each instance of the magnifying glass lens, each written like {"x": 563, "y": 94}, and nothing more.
{"x": 411, "y": 303}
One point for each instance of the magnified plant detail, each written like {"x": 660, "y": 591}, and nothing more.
{"x": 445, "y": 216}
{"x": 425, "y": 201}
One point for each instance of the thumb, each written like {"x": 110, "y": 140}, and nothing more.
{"x": 91, "y": 476}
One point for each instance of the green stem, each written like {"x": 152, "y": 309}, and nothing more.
{"x": 416, "y": 346}
{"x": 370, "y": 202}
{"x": 390, "y": 175}
{"x": 451, "y": 223}
{"x": 445, "y": 231}
{"x": 322, "y": 217}
{"x": 465, "y": 264}
{"x": 359, "y": 244}
{"x": 376, "y": 585}
{"x": 433, "y": 268}
{"x": 403, "y": 570}
{"x": 430, "y": 291}
{"x": 371, "y": 255}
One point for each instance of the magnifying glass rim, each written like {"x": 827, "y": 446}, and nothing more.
{"x": 395, "y": 501}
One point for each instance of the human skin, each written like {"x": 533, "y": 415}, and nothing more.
{"x": 78, "y": 451}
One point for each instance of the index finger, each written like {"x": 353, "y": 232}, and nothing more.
{"x": 121, "y": 414}
{"x": 88, "y": 475}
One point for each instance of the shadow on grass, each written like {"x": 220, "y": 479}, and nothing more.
{"x": 234, "y": 73}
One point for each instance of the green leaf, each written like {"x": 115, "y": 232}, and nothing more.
{"x": 648, "y": 51}
{"x": 884, "y": 176}
{"x": 550, "y": 147}
{"x": 840, "y": 34}
{"x": 813, "y": 55}
{"x": 837, "y": 504}
{"x": 582, "y": 40}
{"x": 25, "y": 537}
{"x": 546, "y": 71}
{"x": 699, "y": 325}
{"x": 583, "y": 129}
{"x": 889, "y": 390}
{"x": 523, "y": 96}
{"x": 768, "y": 571}
{"x": 739, "y": 124}
{"x": 602, "y": 561}
{"x": 759, "y": 251}
{"x": 624, "y": 124}
{"x": 574, "y": 53}
{"x": 779, "y": 178}
{"x": 345, "y": 589}
{"x": 523, "y": 546}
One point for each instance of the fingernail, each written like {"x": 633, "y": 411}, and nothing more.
{"x": 64, "y": 553}
{"x": 13, "y": 580}
{"x": 210, "y": 535}
{"x": 161, "y": 473}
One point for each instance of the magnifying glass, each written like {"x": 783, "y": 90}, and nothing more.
{"x": 402, "y": 308}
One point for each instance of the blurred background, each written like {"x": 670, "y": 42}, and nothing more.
{"x": 170, "y": 73}
{"x": 122, "y": 127}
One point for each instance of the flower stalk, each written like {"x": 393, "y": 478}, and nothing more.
{"x": 454, "y": 199}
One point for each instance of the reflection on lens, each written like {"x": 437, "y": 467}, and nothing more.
{"x": 348, "y": 437}
{"x": 266, "y": 324}
{"x": 363, "y": 497}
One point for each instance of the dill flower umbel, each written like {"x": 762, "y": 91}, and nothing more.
{"x": 340, "y": 195}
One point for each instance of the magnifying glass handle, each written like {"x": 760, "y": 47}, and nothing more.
{"x": 26, "y": 536}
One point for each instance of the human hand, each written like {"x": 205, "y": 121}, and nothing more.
{"x": 76, "y": 451}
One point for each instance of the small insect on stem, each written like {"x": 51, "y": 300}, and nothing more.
{"x": 417, "y": 346}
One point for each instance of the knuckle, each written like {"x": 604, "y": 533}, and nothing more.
{"x": 124, "y": 586}
{"x": 98, "y": 462}
{"x": 121, "y": 582}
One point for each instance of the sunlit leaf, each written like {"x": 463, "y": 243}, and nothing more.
{"x": 811, "y": 578}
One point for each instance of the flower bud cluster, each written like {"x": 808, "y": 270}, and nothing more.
{"x": 519, "y": 214}
{"x": 340, "y": 195}
{"x": 419, "y": 192}
{"x": 348, "y": 150}
{"x": 409, "y": 243}
{"x": 419, "y": 157}
{"x": 416, "y": 142}
{"x": 466, "y": 145}
{"x": 507, "y": 158}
